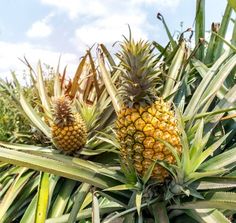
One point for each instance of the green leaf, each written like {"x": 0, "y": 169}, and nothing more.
{"x": 217, "y": 81}
{"x": 99, "y": 168}
{"x": 220, "y": 161}
{"x": 108, "y": 55}
{"x": 232, "y": 4}
{"x": 218, "y": 183}
{"x": 75, "y": 84}
{"x": 57, "y": 82}
{"x": 131, "y": 210}
{"x": 220, "y": 200}
{"x": 197, "y": 147}
{"x": 25, "y": 147}
{"x": 14, "y": 190}
{"x": 59, "y": 205}
{"x": 174, "y": 70}
{"x": 208, "y": 152}
{"x": 218, "y": 49}
{"x": 95, "y": 209}
{"x": 205, "y": 205}
{"x": 43, "y": 92}
{"x": 79, "y": 198}
{"x": 87, "y": 213}
{"x": 29, "y": 214}
{"x": 200, "y": 27}
{"x": 62, "y": 167}
{"x": 121, "y": 187}
{"x": 198, "y": 175}
{"x": 196, "y": 97}
{"x": 21, "y": 198}
{"x": 138, "y": 201}
{"x": 43, "y": 196}
{"x": 148, "y": 173}
{"x": 172, "y": 41}
{"x": 160, "y": 213}
{"x": 33, "y": 116}
{"x": 208, "y": 216}
{"x": 106, "y": 76}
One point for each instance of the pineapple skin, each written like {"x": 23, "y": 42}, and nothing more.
{"x": 70, "y": 138}
{"x": 138, "y": 131}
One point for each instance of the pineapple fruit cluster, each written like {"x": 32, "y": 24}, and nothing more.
{"x": 144, "y": 119}
{"x": 69, "y": 131}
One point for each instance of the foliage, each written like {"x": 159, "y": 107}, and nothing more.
{"x": 43, "y": 185}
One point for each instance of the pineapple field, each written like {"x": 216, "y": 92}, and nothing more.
{"x": 146, "y": 134}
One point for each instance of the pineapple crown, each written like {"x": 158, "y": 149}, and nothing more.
{"x": 62, "y": 111}
{"x": 138, "y": 67}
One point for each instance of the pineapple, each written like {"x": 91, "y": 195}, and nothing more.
{"x": 144, "y": 118}
{"x": 69, "y": 132}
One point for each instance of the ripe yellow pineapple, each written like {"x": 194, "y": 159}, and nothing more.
{"x": 69, "y": 132}
{"x": 144, "y": 118}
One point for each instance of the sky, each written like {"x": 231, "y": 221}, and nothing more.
{"x": 45, "y": 29}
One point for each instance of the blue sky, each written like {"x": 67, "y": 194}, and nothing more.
{"x": 44, "y": 29}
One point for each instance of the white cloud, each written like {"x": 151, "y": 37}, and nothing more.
{"x": 109, "y": 30}
{"x": 75, "y": 8}
{"x": 106, "y": 20}
{"x": 41, "y": 28}
{"x": 10, "y": 52}
{"x": 161, "y": 3}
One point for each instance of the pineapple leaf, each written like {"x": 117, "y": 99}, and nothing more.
{"x": 29, "y": 214}
{"x": 226, "y": 42}
{"x": 42, "y": 91}
{"x": 197, "y": 146}
{"x": 148, "y": 173}
{"x": 108, "y": 55}
{"x": 229, "y": 205}
{"x": 194, "y": 102}
{"x": 207, "y": 216}
{"x": 79, "y": 198}
{"x": 218, "y": 46}
{"x": 98, "y": 168}
{"x": 200, "y": 27}
{"x": 62, "y": 167}
{"x": 122, "y": 187}
{"x": 172, "y": 41}
{"x": 198, "y": 175}
{"x": 86, "y": 213}
{"x": 174, "y": 70}
{"x": 219, "y": 78}
{"x": 232, "y": 3}
{"x": 61, "y": 201}
{"x": 75, "y": 84}
{"x": 138, "y": 201}
{"x": 109, "y": 84}
{"x": 95, "y": 209}
{"x": 57, "y": 86}
{"x": 220, "y": 161}
{"x": 33, "y": 116}
{"x": 208, "y": 152}
{"x": 218, "y": 183}
{"x": 25, "y": 147}
{"x": 43, "y": 197}
{"x": 160, "y": 213}
{"x": 185, "y": 160}
{"x": 16, "y": 187}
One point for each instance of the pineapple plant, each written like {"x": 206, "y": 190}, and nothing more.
{"x": 69, "y": 133}
{"x": 144, "y": 120}
{"x": 94, "y": 188}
